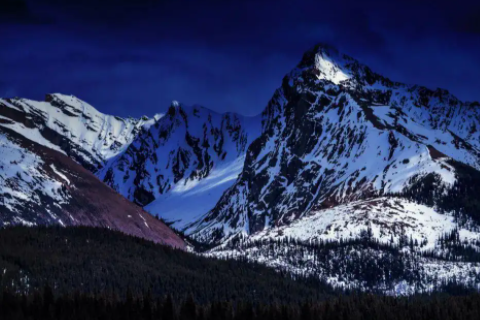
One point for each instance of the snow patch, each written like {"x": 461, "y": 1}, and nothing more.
{"x": 61, "y": 175}
{"x": 329, "y": 70}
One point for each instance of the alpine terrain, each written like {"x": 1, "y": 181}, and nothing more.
{"x": 346, "y": 175}
{"x": 358, "y": 179}
{"x": 179, "y": 167}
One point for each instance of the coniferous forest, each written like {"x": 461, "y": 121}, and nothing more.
{"x": 98, "y": 261}
{"x": 45, "y": 305}
{"x": 90, "y": 273}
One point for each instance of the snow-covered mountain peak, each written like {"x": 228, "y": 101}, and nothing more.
{"x": 72, "y": 126}
{"x": 330, "y": 66}
{"x": 337, "y": 132}
{"x": 353, "y": 165}
{"x": 71, "y": 103}
{"x": 181, "y": 165}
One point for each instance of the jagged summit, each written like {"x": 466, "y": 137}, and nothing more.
{"x": 327, "y": 63}
{"x": 329, "y": 69}
{"x": 330, "y": 64}
{"x": 181, "y": 165}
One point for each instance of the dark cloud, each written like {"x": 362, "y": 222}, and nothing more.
{"x": 132, "y": 57}
{"x": 6, "y": 90}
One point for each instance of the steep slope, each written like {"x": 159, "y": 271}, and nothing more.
{"x": 71, "y": 126}
{"x": 337, "y": 132}
{"x": 181, "y": 165}
{"x": 41, "y": 186}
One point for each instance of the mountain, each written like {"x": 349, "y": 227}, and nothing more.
{"x": 41, "y": 185}
{"x": 181, "y": 165}
{"x": 337, "y": 132}
{"x": 71, "y": 126}
{"x": 346, "y": 175}
{"x": 350, "y": 160}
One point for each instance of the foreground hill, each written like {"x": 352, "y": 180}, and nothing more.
{"x": 363, "y": 307}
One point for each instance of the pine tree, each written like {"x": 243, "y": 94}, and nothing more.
{"x": 168, "y": 311}
{"x": 188, "y": 311}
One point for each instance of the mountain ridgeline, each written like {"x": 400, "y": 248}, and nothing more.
{"x": 189, "y": 151}
{"x": 342, "y": 163}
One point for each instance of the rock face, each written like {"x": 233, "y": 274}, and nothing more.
{"x": 40, "y": 185}
{"x": 336, "y": 132}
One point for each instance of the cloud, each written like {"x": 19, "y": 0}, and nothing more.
{"x": 131, "y": 58}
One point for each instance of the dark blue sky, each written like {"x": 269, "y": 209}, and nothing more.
{"x": 132, "y": 57}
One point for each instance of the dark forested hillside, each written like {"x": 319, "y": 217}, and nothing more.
{"x": 90, "y": 273}
{"x": 90, "y": 260}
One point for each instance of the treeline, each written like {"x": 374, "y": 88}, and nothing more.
{"x": 46, "y": 306}
{"x": 451, "y": 248}
{"x": 460, "y": 199}
{"x": 364, "y": 262}
{"x": 93, "y": 261}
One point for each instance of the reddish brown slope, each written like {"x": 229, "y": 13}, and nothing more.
{"x": 90, "y": 202}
